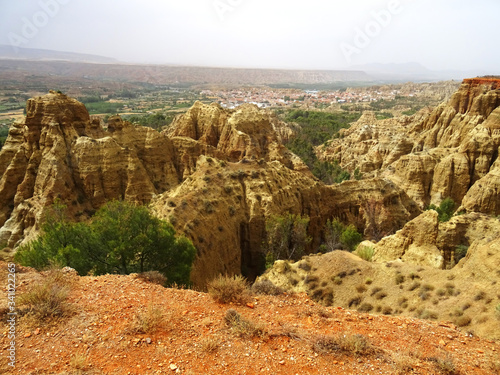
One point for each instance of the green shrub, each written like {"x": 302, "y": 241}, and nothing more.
{"x": 445, "y": 210}
{"x": 339, "y": 236}
{"x": 365, "y": 253}
{"x": 350, "y": 237}
{"x": 460, "y": 252}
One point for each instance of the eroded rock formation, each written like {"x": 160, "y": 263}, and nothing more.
{"x": 216, "y": 174}
{"x": 449, "y": 152}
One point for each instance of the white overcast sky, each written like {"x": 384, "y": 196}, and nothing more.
{"x": 305, "y": 34}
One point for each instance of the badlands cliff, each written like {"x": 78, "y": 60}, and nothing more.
{"x": 216, "y": 174}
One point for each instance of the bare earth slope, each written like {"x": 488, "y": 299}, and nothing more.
{"x": 192, "y": 337}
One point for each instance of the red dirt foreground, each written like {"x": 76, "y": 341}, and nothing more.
{"x": 124, "y": 325}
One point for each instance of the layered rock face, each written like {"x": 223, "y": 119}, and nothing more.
{"x": 449, "y": 152}
{"x": 60, "y": 153}
{"x": 216, "y": 174}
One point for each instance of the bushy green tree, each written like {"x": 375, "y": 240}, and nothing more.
{"x": 121, "y": 239}
{"x": 286, "y": 237}
{"x": 333, "y": 232}
{"x": 350, "y": 237}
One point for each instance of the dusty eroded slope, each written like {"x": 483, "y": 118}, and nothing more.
{"x": 100, "y": 337}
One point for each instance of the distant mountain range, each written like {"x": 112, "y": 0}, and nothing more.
{"x": 414, "y": 72}
{"x": 16, "y": 53}
{"x": 60, "y": 63}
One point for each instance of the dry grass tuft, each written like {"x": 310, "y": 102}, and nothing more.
{"x": 365, "y": 307}
{"x": 445, "y": 365}
{"x": 48, "y": 299}
{"x": 226, "y": 289}
{"x": 210, "y": 344}
{"x": 360, "y": 288}
{"x": 149, "y": 321}
{"x": 463, "y": 321}
{"x": 356, "y": 345}
{"x": 403, "y": 363}
{"x": 266, "y": 287}
{"x": 78, "y": 361}
{"x": 242, "y": 327}
{"x": 153, "y": 277}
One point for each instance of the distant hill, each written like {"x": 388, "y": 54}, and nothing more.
{"x": 11, "y": 53}
{"x": 414, "y": 72}
{"x": 18, "y": 69}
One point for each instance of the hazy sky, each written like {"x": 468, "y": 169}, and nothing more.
{"x": 312, "y": 34}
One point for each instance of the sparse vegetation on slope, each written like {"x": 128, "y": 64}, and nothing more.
{"x": 143, "y": 328}
{"x": 392, "y": 288}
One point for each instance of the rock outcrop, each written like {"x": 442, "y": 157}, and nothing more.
{"x": 61, "y": 153}
{"x": 426, "y": 241}
{"x": 449, "y": 152}
{"x": 415, "y": 243}
{"x": 222, "y": 207}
